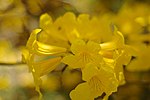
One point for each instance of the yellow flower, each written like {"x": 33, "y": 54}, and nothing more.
{"x": 98, "y": 81}
{"x": 77, "y": 42}
{"x": 130, "y": 23}
{"x": 55, "y": 33}
{"x": 36, "y": 48}
{"x": 117, "y": 54}
{"x": 83, "y": 53}
{"x": 141, "y": 61}
{"x": 65, "y": 29}
{"x": 110, "y": 55}
{"x": 136, "y": 27}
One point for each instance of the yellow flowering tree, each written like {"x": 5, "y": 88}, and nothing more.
{"x": 78, "y": 43}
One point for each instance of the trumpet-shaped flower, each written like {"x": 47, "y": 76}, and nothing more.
{"x": 83, "y": 53}
{"x": 98, "y": 81}
{"x": 40, "y": 68}
{"x": 120, "y": 54}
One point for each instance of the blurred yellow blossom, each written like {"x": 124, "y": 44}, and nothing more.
{"x": 8, "y": 54}
{"x": 141, "y": 62}
{"x": 14, "y": 26}
{"x": 70, "y": 79}
{"x": 51, "y": 82}
{"x": 135, "y": 27}
{"x": 4, "y": 82}
{"x": 133, "y": 23}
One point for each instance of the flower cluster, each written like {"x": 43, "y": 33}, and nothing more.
{"x": 79, "y": 43}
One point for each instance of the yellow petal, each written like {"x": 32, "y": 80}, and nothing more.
{"x": 77, "y": 46}
{"x": 88, "y": 72}
{"x": 93, "y": 47}
{"x": 69, "y": 21}
{"x": 25, "y": 54}
{"x": 83, "y": 18}
{"x": 108, "y": 79}
{"x": 29, "y": 60}
{"x": 41, "y": 68}
{"x": 73, "y": 61}
{"x": 45, "y": 20}
{"x": 73, "y": 35}
{"x": 81, "y": 92}
{"x": 44, "y": 67}
{"x": 32, "y": 38}
{"x": 46, "y": 49}
{"x": 117, "y": 41}
{"x": 41, "y": 48}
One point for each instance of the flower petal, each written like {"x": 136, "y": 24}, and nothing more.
{"x": 88, "y": 72}
{"x": 73, "y": 61}
{"x": 32, "y": 38}
{"x": 81, "y": 92}
{"x": 117, "y": 41}
{"x": 93, "y": 47}
{"x": 43, "y": 67}
{"x": 45, "y": 20}
{"x": 78, "y": 46}
{"x": 108, "y": 80}
{"x": 46, "y": 49}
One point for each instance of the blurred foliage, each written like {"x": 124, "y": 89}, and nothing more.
{"x": 19, "y": 17}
